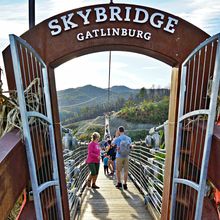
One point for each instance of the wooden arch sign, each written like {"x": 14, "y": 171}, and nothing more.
{"x": 121, "y": 27}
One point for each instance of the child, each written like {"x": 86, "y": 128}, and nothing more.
{"x": 112, "y": 155}
{"x": 105, "y": 161}
{"x": 102, "y": 153}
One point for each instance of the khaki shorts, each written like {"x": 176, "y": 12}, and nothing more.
{"x": 122, "y": 163}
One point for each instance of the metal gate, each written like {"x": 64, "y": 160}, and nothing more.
{"x": 37, "y": 125}
{"x": 197, "y": 115}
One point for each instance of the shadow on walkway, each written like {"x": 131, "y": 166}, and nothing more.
{"x": 110, "y": 203}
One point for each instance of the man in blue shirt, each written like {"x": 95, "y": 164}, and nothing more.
{"x": 121, "y": 157}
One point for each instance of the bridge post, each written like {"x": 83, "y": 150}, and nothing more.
{"x": 56, "y": 120}
{"x": 170, "y": 149}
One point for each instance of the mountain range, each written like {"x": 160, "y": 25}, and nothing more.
{"x": 76, "y": 104}
{"x": 91, "y": 95}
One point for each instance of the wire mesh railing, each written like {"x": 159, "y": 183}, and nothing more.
{"x": 146, "y": 169}
{"x": 76, "y": 172}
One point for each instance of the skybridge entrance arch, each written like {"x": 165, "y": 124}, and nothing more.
{"x": 121, "y": 27}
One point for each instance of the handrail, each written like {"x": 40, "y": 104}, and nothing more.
{"x": 13, "y": 165}
{"x": 146, "y": 169}
{"x": 76, "y": 175}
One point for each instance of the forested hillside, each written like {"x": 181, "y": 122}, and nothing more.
{"x": 89, "y": 101}
{"x": 146, "y": 112}
{"x": 137, "y": 110}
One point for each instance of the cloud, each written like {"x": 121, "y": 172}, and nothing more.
{"x": 12, "y": 20}
{"x": 93, "y": 69}
{"x": 132, "y": 69}
{"x": 150, "y": 67}
{"x": 89, "y": 69}
{"x": 203, "y": 14}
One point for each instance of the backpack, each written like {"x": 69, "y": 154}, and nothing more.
{"x": 125, "y": 147}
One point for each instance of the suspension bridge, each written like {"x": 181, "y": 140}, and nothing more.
{"x": 145, "y": 197}
{"x": 41, "y": 180}
{"x": 145, "y": 186}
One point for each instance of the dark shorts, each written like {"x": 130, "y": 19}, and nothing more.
{"x": 94, "y": 168}
{"x": 113, "y": 157}
{"x": 105, "y": 167}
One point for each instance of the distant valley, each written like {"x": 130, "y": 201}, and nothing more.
{"x": 87, "y": 102}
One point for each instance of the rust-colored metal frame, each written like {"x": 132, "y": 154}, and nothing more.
{"x": 56, "y": 50}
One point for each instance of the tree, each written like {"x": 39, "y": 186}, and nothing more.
{"x": 142, "y": 94}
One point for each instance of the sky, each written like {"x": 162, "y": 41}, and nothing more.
{"x": 129, "y": 69}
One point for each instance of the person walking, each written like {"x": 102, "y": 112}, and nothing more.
{"x": 112, "y": 155}
{"x": 93, "y": 160}
{"x": 123, "y": 143}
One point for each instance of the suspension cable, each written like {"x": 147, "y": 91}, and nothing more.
{"x": 109, "y": 75}
{"x": 107, "y": 115}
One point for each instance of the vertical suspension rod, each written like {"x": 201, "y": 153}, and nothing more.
{"x": 109, "y": 75}
{"x": 31, "y": 13}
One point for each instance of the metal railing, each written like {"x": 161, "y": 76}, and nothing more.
{"x": 146, "y": 169}
{"x": 76, "y": 175}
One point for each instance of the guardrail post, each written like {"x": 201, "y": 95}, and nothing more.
{"x": 172, "y": 119}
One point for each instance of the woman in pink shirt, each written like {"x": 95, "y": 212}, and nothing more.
{"x": 93, "y": 160}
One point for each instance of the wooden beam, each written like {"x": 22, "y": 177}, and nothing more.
{"x": 28, "y": 212}
{"x": 56, "y": 121}
{"x": 214, "y": 160}
{"x": 14, "y": 173}
{"x": 170, "y": 148}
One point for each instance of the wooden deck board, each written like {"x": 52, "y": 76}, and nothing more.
{"x": 109, "y": 203}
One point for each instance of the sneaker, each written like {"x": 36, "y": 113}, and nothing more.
{"x": 125, "y": 186}
{"x": 119, "y": 185}
{"x": 95, "y": 187}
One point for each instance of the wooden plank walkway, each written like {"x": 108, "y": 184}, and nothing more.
{"x": 109, "y": 203}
